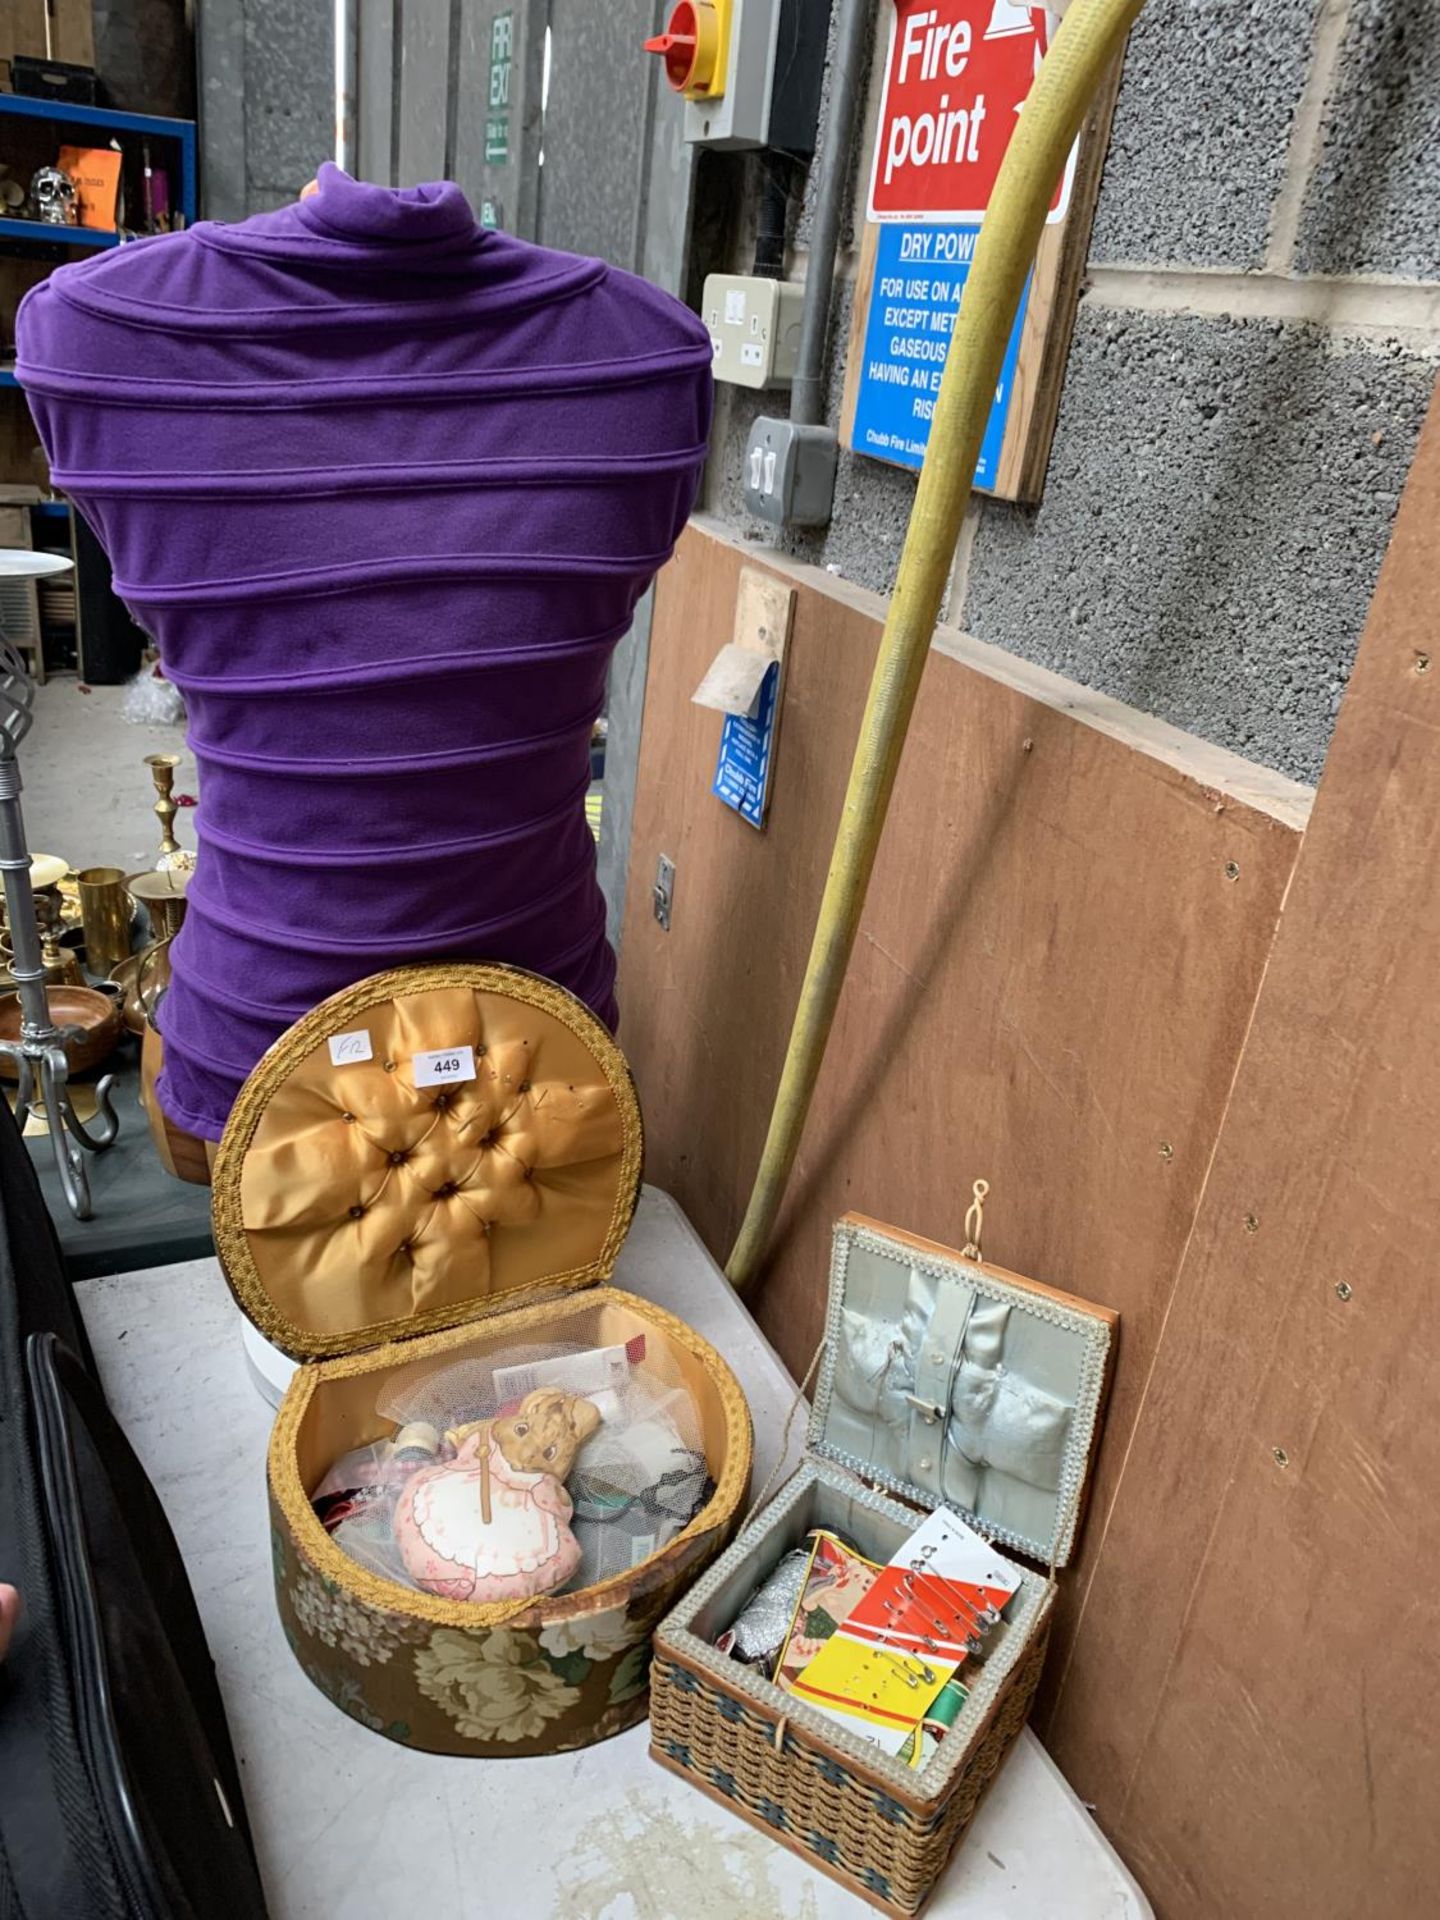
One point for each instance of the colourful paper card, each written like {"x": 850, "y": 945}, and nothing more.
{"x": 900, "y": 1644}
{"x": 933, "y": 1597}
{"x": 836, "y": 1581}
{"x": 884, "y": 1691}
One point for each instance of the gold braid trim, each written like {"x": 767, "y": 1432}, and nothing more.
{"x": 387, "y": 1596}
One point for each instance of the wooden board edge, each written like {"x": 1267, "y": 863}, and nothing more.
{"x": 1034, "y": 371}
{"x": 1091, "y": 1308}
{"x": 1067, "y": 272}
{"x": 1215, "y": 770}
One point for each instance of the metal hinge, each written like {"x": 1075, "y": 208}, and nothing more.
{"x": 662, "y": 894}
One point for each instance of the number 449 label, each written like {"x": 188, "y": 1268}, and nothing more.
{"x": 445, "y": 1067}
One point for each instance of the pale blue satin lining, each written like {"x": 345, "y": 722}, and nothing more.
{"x": 1002, "y": 1444}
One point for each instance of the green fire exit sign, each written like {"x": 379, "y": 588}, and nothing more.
{"x": 497, "y": 118}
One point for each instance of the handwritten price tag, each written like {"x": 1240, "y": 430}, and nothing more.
{"x": 445, "y": 1067}
{"x": 345, "y": 1048}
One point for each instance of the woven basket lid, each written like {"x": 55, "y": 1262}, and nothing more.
{"x": 425, "y": 1148}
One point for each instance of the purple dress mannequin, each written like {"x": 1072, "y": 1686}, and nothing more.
{"x": 385, "y": 488}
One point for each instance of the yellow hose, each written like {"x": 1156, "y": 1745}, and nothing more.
{"x": 1089, "y": 38}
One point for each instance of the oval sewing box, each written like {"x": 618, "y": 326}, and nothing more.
{"x": 368, "y": 1221}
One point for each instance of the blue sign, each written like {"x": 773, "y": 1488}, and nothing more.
{"x": 742, "y": 772}
{"x": 920, "y": 274}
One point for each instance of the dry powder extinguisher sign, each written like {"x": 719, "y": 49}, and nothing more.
{"x": 956, "y": 76}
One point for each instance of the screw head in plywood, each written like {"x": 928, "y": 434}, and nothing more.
{"x": 1422, "y": 663}
{"x": 1232, "y": 870}
{"x": 1167, "y": 1152}
{"x": 1344, "y": 1290}
{"x": 1252, "y": 1223}
{"x": 1282, "y": 1458}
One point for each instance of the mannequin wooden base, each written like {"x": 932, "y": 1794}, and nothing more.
{"x": 181, "y": 1154}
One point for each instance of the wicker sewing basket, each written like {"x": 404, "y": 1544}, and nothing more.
{"x": 914, "y": 1331}
{"x": 366, "y": 1221}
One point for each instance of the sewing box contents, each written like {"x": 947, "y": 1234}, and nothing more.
{"x": 852, "y": 1671}
{"x": 492, "y": 1471}
{"x": 873, "y": 1648}
{"x": 497, "y": 1487}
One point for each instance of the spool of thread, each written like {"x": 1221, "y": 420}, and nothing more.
{"x": 945, "y": 1708}
{"x": 755, "y": 1635}
{"x": 418, "y": 1441}
{"x": 944, "y": 1712}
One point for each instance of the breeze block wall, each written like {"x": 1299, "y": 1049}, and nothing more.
{"x": 1254, "y": 350}
{"x": 267, "y": 102}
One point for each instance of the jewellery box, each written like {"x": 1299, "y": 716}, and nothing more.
{"x": 944, "y": 1380}
{"x": 439, "y": 1163}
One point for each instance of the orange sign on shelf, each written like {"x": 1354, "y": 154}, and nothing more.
{"x": 96, "y": 173}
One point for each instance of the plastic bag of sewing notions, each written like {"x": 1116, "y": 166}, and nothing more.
{"x": 638, "y": 1480}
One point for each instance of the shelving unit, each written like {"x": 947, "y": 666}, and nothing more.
{"x": 65, "y": 113}
{"x": 37, "y": 233}
{"x": 31, "y": 131}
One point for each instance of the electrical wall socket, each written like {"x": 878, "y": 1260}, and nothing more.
{"x": 790, "y": 473}
{"x": 754, "y": 327}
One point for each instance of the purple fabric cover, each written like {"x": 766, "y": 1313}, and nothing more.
{"x": 385, "y": 488}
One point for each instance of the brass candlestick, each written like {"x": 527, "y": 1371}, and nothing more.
{"x": 162, "y": 895}
{"x": 63, "y": 969}
{"x": 162, "y": 771}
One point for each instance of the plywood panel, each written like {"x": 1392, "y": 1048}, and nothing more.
{"x": 1251, "y": 1693}
{"x": 1053, "y": 979}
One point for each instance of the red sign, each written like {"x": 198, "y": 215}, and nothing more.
{"x": 956, "y": 75}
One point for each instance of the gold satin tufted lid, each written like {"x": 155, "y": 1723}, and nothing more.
{"x": 354, "y": 1203}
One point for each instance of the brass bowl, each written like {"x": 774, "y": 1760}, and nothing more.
{"x": 95, "y": 1014}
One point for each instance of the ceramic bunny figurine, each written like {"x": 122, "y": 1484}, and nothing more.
{"x": 494, "y": 1522}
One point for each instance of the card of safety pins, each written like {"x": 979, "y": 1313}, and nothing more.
{"x": 936, "y": 1591}
{"x": 944, "y": 1545}
{"x": 896, "y": 1649}
{"x": 881, "y": 1696}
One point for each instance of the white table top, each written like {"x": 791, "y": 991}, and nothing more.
{"x": 351, "y": 1827}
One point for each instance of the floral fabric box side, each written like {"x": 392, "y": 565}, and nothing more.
{"x": 372, "y": 1222}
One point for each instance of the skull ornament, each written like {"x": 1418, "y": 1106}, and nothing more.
{"x": 52, "y": 197}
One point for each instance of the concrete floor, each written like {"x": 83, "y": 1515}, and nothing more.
{"x": 87, "y": 791}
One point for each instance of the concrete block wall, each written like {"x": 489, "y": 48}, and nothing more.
{"x": 267, "y": 102}
{"x": 1254, "y": 353}
{"x": 602, "y": 101}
